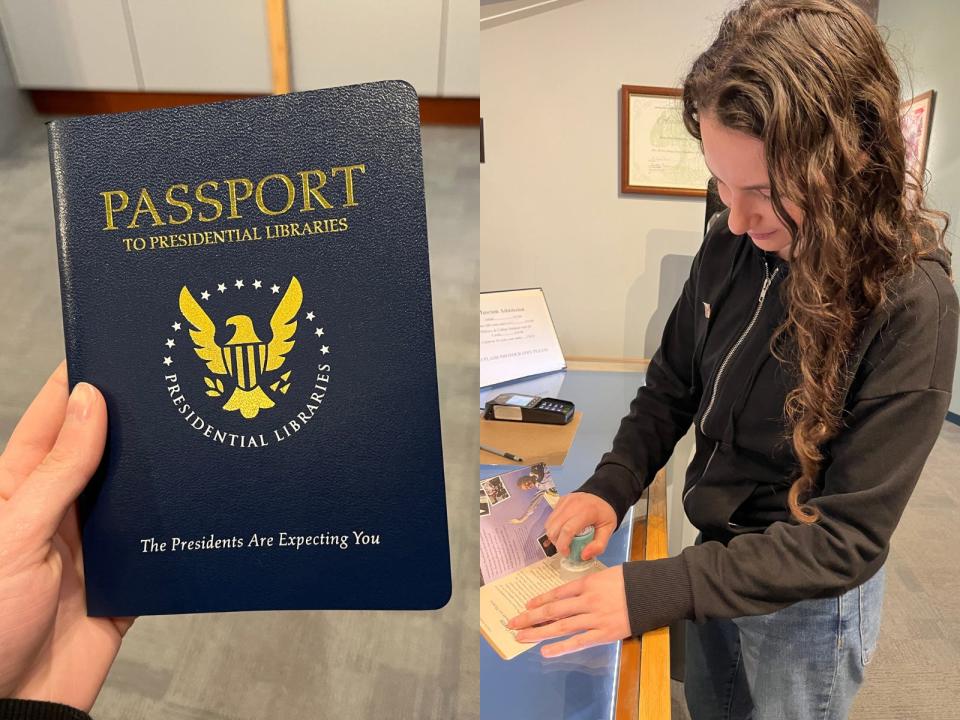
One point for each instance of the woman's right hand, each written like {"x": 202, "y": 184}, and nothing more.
{"x": 572, "y": 514}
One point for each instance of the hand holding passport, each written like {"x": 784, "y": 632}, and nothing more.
{"x": 52, "y": 649}
{"x": 247, "y": 313}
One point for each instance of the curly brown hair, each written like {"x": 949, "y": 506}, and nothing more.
{"x": 812, "y": 79}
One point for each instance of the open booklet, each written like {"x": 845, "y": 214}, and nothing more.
{"x": 517, "y": 559}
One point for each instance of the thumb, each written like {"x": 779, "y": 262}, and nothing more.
{"x": 599, "y": 542}
{"x": 44, "y": 498}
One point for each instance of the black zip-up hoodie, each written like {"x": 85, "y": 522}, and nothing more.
{"x": 714, "y": 369}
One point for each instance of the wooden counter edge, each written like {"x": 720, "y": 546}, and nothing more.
{"x": 628, "y": 680}
{"x": 655, "y": 661}
{"x": 591, "y": 363}
{"x": 643, "y": 683}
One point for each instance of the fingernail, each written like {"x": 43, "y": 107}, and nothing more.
{"x": 81, "y": 400}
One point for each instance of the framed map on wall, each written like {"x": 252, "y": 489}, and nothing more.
{"x": 657, "y": 154}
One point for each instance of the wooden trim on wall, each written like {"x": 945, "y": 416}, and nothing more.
{"x": 433, "y": 110}
{"x": 278, "y": 35}
{"x": 449, "y": 111}
{"x": 92, "y": 102}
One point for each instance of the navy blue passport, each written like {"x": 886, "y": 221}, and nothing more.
{"x": 248, "y": 285}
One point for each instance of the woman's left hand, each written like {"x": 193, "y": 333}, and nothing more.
{"x": 593, "y": 607}
{"x": 51, "y": 649}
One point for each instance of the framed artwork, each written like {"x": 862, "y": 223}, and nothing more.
{"x": 916, "y": 115}
{"x": 657, "y": 154}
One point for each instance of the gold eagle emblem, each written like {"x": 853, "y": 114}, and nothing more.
{"x": 245, "y": 357}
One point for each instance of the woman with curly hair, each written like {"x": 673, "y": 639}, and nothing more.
{"x": 812, "y": 349}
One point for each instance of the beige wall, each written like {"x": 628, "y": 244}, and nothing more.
{"x": 611, "y": 266}
{"x": 923, "y": 34}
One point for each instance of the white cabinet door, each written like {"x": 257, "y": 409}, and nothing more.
{"x": 69, "y": 45}
{"x": 202, "y": 45}
{"x": 333, "y": 42}
{"x": 461, "y": 62}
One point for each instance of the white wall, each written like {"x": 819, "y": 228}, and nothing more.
{"x": 460, "y": 62}
{"x": 189, "y": 46}
{"x": 69, "y": 45}
{"x": 14, "y": 108}
{"x": 222, "y": 45}
{"x": 363, "y": 40}
{"x": 923, "y": 34}
{"x": 611, "y": 266}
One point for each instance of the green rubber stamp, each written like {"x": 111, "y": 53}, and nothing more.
{"x": 574, "y": 562}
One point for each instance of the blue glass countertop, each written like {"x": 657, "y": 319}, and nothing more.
{"x": 580, "y": 686}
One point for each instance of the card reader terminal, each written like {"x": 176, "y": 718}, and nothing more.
{"x": 529, "y": 408}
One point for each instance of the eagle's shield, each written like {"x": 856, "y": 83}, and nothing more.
{"x": 245, "y": 363}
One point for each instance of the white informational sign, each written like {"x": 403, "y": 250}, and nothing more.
{"x": 517, "y": 337}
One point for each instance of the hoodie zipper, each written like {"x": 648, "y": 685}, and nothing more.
{"x": 767, "y": 281}
{"x": 716, "y": 444}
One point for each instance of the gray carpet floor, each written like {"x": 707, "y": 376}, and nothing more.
{"x": 251, "y": 666}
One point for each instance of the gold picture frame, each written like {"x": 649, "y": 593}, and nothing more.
{"x": 916, "y": 117}
{"x": 657, "y": 154}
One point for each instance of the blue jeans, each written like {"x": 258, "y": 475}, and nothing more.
{"x": 803, "y": 662}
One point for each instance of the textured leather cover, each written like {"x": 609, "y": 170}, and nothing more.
{"x": 268, "y": 369}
